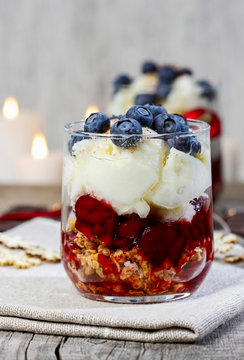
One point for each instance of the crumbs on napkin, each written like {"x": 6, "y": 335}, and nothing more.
{"x": 30, "y": 255}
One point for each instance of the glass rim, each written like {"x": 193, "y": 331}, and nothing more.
{"x": 73, "y": 130}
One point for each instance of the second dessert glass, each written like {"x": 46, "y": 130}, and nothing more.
{"x": 136, "y": 221}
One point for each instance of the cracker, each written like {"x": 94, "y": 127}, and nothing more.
{"x": 44, "y": 254}
{"x": 5, "y": 257}
{"x": 22, "y": 261}
{"x": 16, "y": 242}
{"x": 224, "y": 243}
{"x": 19, "y": 260}
{"x": 30, "y": 248}
{"x": 231, "y": 259}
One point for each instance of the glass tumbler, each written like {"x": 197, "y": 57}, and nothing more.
{"x": 137, "y": 220}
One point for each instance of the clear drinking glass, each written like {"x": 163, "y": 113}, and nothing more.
{"x": 136, "y": 221}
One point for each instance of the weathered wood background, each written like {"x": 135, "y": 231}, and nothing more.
{"x": 59, "y": 56}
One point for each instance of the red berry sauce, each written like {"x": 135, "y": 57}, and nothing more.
{"x": 116, "y": 255}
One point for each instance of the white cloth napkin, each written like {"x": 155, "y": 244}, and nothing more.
{"x": 43, "y": 300}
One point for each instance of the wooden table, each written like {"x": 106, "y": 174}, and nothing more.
{"x": 226, "y": 342}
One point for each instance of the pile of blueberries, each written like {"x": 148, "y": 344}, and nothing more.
{"x": 166, "y": 75}
{"x": 127, "y": 130}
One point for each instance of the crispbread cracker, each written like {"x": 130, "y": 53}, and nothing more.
{"x": 16, "y": 242}
{"x": 31, "y": 254}
{"x": 224, "y": 243}
{"x": 18, "y": 259}
{"x": 44, "y": 254}
{"x": 231, "y": 259}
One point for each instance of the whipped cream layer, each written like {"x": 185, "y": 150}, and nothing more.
{"x": 133, "y": 179}
{"x": 185, "y": 96}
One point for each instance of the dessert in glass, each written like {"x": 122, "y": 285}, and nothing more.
{"x": 137, "y": 205}
{"x": 179, "y": 92}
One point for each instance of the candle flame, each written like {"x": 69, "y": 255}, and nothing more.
{"x": 90, "y": 110}
{"x": 39, "y": 149}
{"x": 10, "y": 108}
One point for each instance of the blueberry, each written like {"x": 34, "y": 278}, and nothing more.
{"x": 76, "y": 138}
{"x": 187, "y": 144}
{"x": 149, "y": 67}
{"x": 165, "y": 124}
{"x": 167, "y": 73}
{"x": 186, "y": 71}
{"x": 143, "y": 99}
{"x": 120, "y": 81}
{"x": 97, "y": 123}
{"x": 184, "y": 126}
{"x": 126, "y": 127}
{"x": 163, "y": 90}
{"x": 208, "y": 91}
{"x": 141, "y": 114}
{"x": 156, "y": 109}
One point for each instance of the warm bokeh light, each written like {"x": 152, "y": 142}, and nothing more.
{"x": 10, "y": 108}
{"x": 39, "y": 149}
{"x": 232, "y": 212}
{"x": 91, "y": 109}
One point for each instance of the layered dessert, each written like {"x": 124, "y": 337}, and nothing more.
{"x": 137, "y": 209}
{"x": 178, "y": 91}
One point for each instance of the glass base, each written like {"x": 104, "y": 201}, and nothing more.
{"x": 137, "y": 299}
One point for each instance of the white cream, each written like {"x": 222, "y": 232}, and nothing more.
{"x": 119, "y": 176}
{"x": 122, "y": 100}
{"x": 145, "y": 84}
{"x": 184, "y": 96}
{"x": 183, "y": 178}
{"x": 133, "y": 179}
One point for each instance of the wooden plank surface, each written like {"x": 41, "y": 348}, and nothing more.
{"x": 226, "y": 342}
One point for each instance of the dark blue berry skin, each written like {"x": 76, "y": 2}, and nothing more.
{"x": 184, "y": 126}
{"x": 167, "y": 74}
{"x": 163, "y": 90}
{"x": 141, "y": 114}
{"x": 187, "y": 144}
{"x": 143, "y": 99}
{"x": 164, "y": 124}
{"x": 208, "y": 91}
{"x": 120, "y": 81}
{"x": 186, "y": 71}
{"x": 156, "y": 109}
{"x": 97, "y": 123}
{"x": 149, "y": 67}
{"x": 76, "y": 138}
{"x": 126, "y": 127}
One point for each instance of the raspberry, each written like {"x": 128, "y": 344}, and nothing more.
{"x": 156, "y": 242}
{"x": 95, "y": 218}
{"x": 131, "y": 227}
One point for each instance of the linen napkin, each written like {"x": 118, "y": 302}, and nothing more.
{"x": 43, "y": 300}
